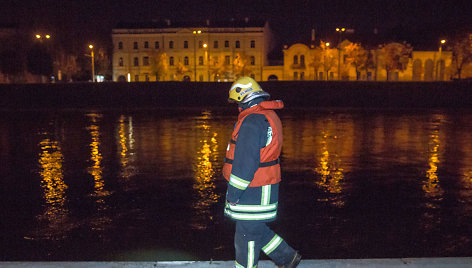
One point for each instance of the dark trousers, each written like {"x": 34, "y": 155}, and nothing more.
{"x": 251, "y": 237}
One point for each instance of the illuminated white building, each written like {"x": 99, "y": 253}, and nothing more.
{"x": 173, "y": 52}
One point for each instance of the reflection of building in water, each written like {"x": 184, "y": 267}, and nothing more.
{"x": 431, "y": 185}
{"x": 331, "y": 174}
{"x": 205, "y": 171}
{"x": 126, "y": 147}
{"x": 51, "y": 163}
{"x": 96, "y": 169}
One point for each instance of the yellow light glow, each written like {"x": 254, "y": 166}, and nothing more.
{"x": 199, "y": 32}
{"x": 205, "y": 45}
{"x": 91, "y": 46}
{"x": 343, "y": 29}
{"x": 38, "y": 36}
{"x": 337, "y": 29}
{"x": 51, "y": 162}
{"x": 48, "y": 36}
{"x": 194, "y": 32}
{"x": 327, "y": 44}
{"x": 443, "y": 41}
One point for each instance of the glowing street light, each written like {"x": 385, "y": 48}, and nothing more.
{"x": 438, "y": 64}
{"x": 93, "y": 64}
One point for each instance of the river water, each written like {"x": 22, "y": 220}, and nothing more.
{"x": 146, "y": 184}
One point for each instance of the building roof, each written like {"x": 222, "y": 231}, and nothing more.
{"x": 161, "y": 24}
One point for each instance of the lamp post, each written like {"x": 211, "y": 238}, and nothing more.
{"x": 195, "y": 33}
{"x": 438, "y": 64}
{"x": 326, "y": 47}
{"x": 340, "y": 31}
{"x": 46, "y": 55}
{"x": 93, "y": 63}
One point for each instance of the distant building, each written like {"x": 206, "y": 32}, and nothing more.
{"x": 175, "y": 52}
{"x": 222, "y": 51}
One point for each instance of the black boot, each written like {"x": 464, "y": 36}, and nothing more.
{"x": 294, "y": 263}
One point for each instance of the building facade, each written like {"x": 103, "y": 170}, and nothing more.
{"x": 181, "y": 53}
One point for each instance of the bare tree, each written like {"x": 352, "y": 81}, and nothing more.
{"x": 329, "y": 58}
{"x": 159, "y": 64}
{"x": 242, "y": 65}
{"x": 396, "y": 56}
{"x": 461, "y": 55}
{"x": 316, "y": 61}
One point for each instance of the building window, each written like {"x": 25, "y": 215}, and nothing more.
{"x": 171, "y": 61}
{"x": 227, "y": 60}
{"x": 226, "y": 43}
{"x": 200, "y": 60}
{"x": 136, "y": 78}
{"x": 200, "y": 44}
{"x": 295, "y": 59}
{"x": 146, "y": 61}
{"x": 185, "y": 44}
{"x": 302, "y": 75}
{"x": 136, "y": 61}
{"x": 146, "y": 44}
{"x": 200, "y": 77}
{"x": 135, "y": 45}
{"x": 237, "y": 44}
{"x": 253, "y": 43}
{"x": 186, "y": 60}
{"x": 146, "y": 77}
{"x": 171, "y": 44}
{"x": 156, "y": 44}
{"x": 302, "y": 60}
{"x": 253, "y": 60}
{"x": 215, "y": 60}
{"x": 120, "y": 62}
{"x": 120, "y": 45}
{"x": 215, "y": 44}
{"x": 295, "y": 75}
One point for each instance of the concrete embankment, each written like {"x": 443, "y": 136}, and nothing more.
{"x": 340, "y": 263}
{"x": 185, "y": 94}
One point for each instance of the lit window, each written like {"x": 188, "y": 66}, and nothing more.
{"x": 302, "y": 59}
{"x": 238, "y": 44}
{"x": 253, "y": 60}
{"x": 185, "y": 44}
{"x": 135, "y": 45}
{"x": 171, "y": 61}
{"x": 186, "y": 60}
{"x": 146, "y": 61}
{"x": 120, "y": 45}
{"x": 226, "y": 43}
{"x": 120, "y": 62}
{"x": 171, "y": 44}
{"x": 253, "y": 43}
{"x": 227, "y": 60}
{"x": 200, "y": 60}
{"x": 156, "y": 44}
{"x": 146, "y": 44}
{"x": 215, "y": 44}
{"x": 295, "y": 59}
{"x": 136, "y": 61}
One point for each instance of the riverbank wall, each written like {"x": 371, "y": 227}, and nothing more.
{"x": 186, "y": 94}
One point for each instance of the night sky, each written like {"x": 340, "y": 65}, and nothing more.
{"x": 419, "y": 22}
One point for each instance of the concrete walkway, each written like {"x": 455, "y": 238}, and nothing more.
{"x": 341, "y": 263}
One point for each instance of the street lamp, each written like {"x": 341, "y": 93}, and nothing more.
{"x": 438, "y": 64}
{"x": 93, "y": 64}
{"x": 195, "y": 33}
{"x": 340, "y": 31}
